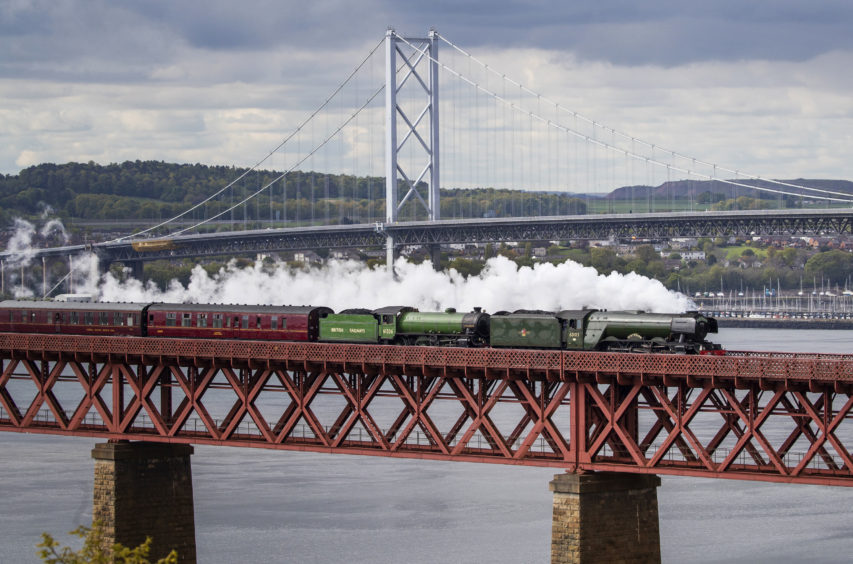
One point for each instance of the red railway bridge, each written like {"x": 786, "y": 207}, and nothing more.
{"x": 751, "y": 416}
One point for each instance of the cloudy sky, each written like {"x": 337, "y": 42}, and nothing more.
{"x": 761, "y": 86}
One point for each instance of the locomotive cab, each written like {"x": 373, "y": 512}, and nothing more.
{"x": 387, "y": 319}
{"x": 573, "y": 324}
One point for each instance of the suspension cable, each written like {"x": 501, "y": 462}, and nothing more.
{"x": 271, "y": 153}
{"x": 845, "y": 196}
{"x": 280, "y": 176}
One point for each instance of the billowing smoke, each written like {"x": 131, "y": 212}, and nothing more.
{"x": 54, "y": 228}
{"x": 26, "y": 237}
{"x": 345, "y": 284}
{"x": 21, "y": 242}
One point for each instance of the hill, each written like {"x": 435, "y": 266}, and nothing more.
{"x": 706, "y": 191}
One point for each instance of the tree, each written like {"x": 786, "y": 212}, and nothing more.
{"x": 833, "y": 266}
{"x": 604, "y": 260}
{"x": 466, "y": 267}
{"x": 646, "y": 253}
{"x": 638, "y": 266}
{"x": 94, "y": 551}
{"x": 747, "y": 256}
{"x": 489, "y": 251}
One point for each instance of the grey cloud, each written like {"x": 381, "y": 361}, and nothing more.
{"x": 115, "y": 41}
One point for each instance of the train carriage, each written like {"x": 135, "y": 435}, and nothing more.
{"x": 219, "y": 321}
{"x": 72, "y": 318}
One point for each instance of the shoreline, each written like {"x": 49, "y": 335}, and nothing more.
{"x": 769, "y": 323}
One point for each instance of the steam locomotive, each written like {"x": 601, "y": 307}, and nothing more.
{"x": 583, "y": 329}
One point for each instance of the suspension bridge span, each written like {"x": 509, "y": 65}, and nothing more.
{"x": 745, "y": 223}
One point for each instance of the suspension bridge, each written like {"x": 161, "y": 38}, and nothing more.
{"x": 513, "y": 164}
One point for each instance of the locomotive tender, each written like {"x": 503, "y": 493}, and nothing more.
{"x": 583, "y": 329}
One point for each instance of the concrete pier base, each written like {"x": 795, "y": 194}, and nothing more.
{"x": 606, "y": 518}
{"x": 145, "y": 490}
{"x": 435, "y": 256}
{"x": 137, "y": 270}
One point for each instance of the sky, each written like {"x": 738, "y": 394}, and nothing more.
{"x": 761, "y": 86}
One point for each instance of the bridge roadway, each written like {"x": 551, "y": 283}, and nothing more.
{"x": 648, "y": 225}
{"x": 751, "y": 416}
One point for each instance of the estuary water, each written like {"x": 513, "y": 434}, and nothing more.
{"x": 267, "y": 506}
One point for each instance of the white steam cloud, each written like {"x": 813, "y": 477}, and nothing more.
{"x": 346, "y": 284}
{"x": 22, "y": 244}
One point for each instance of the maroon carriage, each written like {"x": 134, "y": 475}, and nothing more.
{"x": 72, "y": 318}
{"x": 219, "y": 321}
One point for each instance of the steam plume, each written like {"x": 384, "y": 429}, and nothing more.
{"x": 345, "y": 284}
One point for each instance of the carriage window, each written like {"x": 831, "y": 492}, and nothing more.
{"x": 274, "y": 322}
{"x": 284, "y": 323}
{"x": 57, "y": 318}
{"x": 258, "y": 322}
{"x": 103, "y": 318}
{"x": 186, "y": 320}
{"x": 202, "y": 320}
{"x": 132, "y": 320}
{"x": 245, "y": 321}
{"x": 117, "y": 318}
{"x": 75, "y": 319}
{"x": 227, "y": 321}
{"x": 217, "y": 320}
{"x": 171, "y": 319}
{"x": 33, "y": 316}
{"x": 90, "y": 318}
{"x": 11, "y": 316}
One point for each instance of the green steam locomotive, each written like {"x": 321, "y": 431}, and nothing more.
{"x": 584, "y": 329}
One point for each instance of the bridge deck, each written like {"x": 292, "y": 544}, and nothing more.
{"x": 757, "y": 416}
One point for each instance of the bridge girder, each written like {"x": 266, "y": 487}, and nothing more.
{"x": 750, "y": 416}
{"x": 625, "y": 226}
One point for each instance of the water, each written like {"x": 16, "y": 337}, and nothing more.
{"x": 267, "y": 506}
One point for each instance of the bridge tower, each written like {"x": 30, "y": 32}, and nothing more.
{"x": 418, "y": 58}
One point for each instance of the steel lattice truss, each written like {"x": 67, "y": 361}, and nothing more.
{"x": 746, "y": 415}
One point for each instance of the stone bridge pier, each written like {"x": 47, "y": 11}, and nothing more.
{"x": 145, "y": 490}
{"x": 605, "y": 518}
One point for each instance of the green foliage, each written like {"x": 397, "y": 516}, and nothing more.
{"x": 151, "y": 190}
{"x": 94, "y": 552}
{"x": 738, "y": 251}
{"x": 467, "y": 267}
{"x": 605, "y": 261}
{"x": 489, "y": 251}
{"x": 646, "y": 253}
{"x": 832, "y": 266}
{"x": 743, "y": 203}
